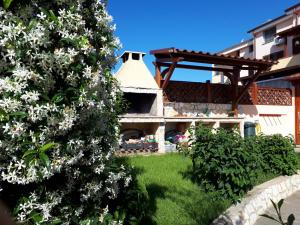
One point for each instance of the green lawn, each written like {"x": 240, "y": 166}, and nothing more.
{"x": 174, "y": 199}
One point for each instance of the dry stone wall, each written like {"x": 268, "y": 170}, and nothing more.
{"x": 258, "y": 200}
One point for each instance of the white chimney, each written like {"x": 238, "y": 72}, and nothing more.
{"x": 134, "y": 73}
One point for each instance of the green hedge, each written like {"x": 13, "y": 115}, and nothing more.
{"x": 224, "y": 161}
{"x": 277, "y": 154}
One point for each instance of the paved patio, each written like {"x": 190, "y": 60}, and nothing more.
{"x": 290, "y": 205}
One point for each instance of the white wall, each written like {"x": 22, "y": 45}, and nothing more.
{"x": 243, "y": 48}
{"x": 244, "y": 52}
{"x": 283, "y": 123}
{"x": 262, "y": 48}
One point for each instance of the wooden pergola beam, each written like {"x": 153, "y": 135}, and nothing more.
{"x": 164, "y": 72}
{"x": 169, "y": 57}
{"x": 193, "y": 67}
{"x": 226, "y": 72}
{"x": 247, "y": 86}
{"x": 212, "y": 60}
{"x": 169, "y": 74}
{"x": 158, "y": 76}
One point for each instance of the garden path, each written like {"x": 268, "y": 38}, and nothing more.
{"x": 291, "y": 205}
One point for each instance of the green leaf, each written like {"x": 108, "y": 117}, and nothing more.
{"x": 30, "y": 159}
{"x": 269, "y": 217}
{"x": 45, "y": 159}
{"x": 19, "y": 114}
{"x": 275, "y": 207}
{"x": 32, "y": 24}
{"x": 52, "y": 16}
{"x": 44, "y": 96}
{"x": 291, "y": 219}
{"x": 3, "y": 116}
{"x": 48, "y": 146}
{"x": 280, "y": 203}
{"x": 6, "y": 3}
{"x": 29, "y": 152}
{"x": 58, "y": 98}
{"x": 37, "y": 217}
{"x": 56, "y": 221}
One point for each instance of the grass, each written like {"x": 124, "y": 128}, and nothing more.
{"x": 173, "y": 197}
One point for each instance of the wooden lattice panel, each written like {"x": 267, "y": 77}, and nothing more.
{"x": 220, "y": 93}
{"x": 193, "y": 92}
{"x": 274, "y": 96}
{"x": 247, "y": 98}
{"x": 177, "y": 91}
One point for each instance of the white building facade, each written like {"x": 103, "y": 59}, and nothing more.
{"x": 277, "y": 40}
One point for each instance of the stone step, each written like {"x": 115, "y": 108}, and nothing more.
{"x": 297, "y": 149}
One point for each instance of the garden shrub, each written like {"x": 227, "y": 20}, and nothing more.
{"x": 222, "y": 162}
{"x": 277, "y": 153}
{"x": 59, "y": 109}
{"x": 252, "y": 145}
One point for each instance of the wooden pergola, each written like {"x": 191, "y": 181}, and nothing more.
{"x": 168, "y": 59}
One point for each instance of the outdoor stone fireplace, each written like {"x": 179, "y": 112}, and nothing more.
{"x": 142, "y": 127}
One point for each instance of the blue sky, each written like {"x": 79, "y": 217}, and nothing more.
{"x": 144, "y": 25}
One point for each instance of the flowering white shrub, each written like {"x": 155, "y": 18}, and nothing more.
{"x": 58, "y": 111}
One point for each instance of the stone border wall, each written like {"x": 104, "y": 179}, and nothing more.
{"x": 258, "y": 200}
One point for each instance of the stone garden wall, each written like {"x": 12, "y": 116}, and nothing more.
{"x": 258, "y": 200}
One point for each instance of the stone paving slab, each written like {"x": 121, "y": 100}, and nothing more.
{"x": 291, "y": 205}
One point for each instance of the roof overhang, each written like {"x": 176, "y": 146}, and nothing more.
{"x": 284, "y": 67}
{"x": 291, "y": 31}
{"x": 292, "y": 7}
{"x": 169, "y": 54}
{"x": 275, "y": 74}
{"x": 270, "y": 23}
{"x": 236, "y": 47}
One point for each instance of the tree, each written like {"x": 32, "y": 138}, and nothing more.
{"x": 58, "y": 111}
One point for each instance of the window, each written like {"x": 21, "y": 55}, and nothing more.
{"x": 250, "y": 48}
{"x": 296, "y": 45}
{"x": 135, "y": 56}
{"x": 274, "y": 56}
{"x": 251, "y": 72}
{"x": 125, "y": 57}
{"x": 269, "y": 34}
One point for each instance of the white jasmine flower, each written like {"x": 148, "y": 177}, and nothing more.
{"x": 41, "y": 15}
{"x": 6, "y": 127}
{"x": 30, "y": 96}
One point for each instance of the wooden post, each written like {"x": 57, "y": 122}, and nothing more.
{"x": 254, "y": 94}
{"x": 248, "y": 85}
{"x": 208, "y": 86}
{"x": 158, "y": 75}
{"x": 169, "y": 73}
{"x": 235, "y": 86}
